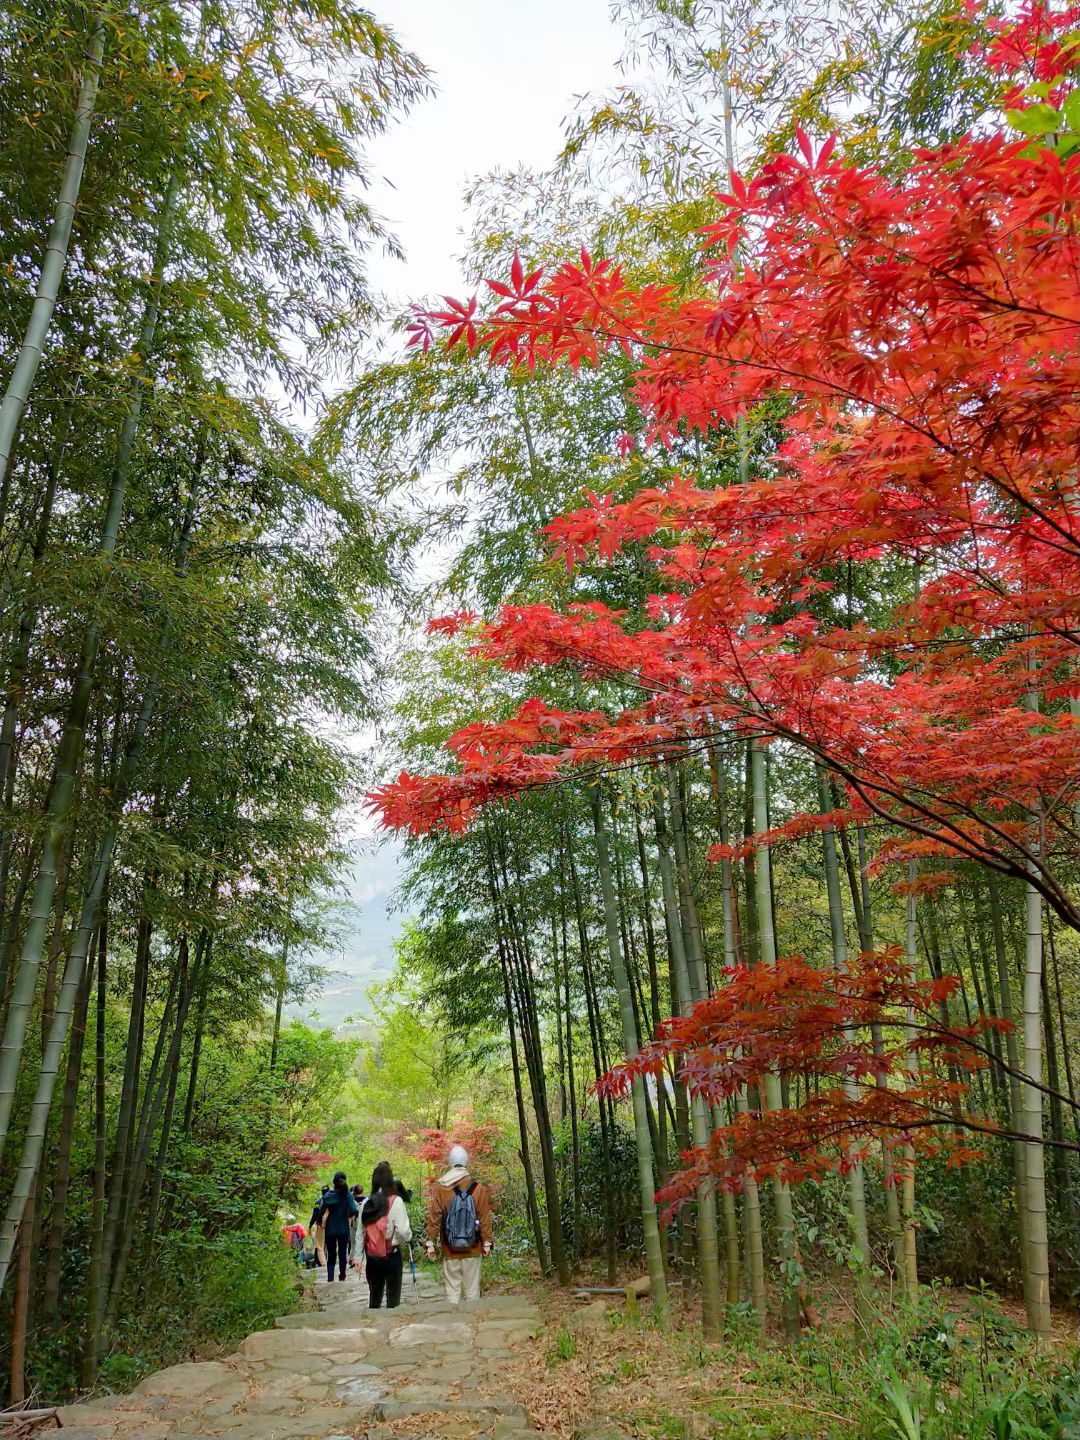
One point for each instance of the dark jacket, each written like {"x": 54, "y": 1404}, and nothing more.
{"x": 338, "y": 1209}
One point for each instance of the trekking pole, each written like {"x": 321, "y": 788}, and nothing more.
{"x": 412, "y": 1272}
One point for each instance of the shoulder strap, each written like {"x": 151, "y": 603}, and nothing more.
{"x": 472, "y": 1187}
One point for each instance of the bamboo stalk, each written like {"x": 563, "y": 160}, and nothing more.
{"x": 54, "y": 264}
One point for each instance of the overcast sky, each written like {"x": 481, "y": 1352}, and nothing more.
{"x": 507, "y": 73}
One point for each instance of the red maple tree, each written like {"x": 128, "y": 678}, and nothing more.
{"x": 303, "y": 1159}
{"x": 923, "y": 330}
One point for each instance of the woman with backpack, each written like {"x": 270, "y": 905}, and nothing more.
{"x": 385, "y": 1225}
{"x": 336, "y": 1209}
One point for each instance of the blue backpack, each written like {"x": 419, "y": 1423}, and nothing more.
{"x": 461, "y": 1227}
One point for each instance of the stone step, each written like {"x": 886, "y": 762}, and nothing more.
{"x": 348, "y": 1315}
{"x": 389, "y": 1410}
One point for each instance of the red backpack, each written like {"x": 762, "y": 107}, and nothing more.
{"x": 376, "y": 1243}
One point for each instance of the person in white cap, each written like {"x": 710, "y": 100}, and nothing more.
{"x": 459, "y": 1221}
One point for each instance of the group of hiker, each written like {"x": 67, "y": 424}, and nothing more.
{"x": 371, "y": 1232}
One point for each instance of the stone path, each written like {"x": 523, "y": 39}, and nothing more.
{"x": 339, "y": 1372}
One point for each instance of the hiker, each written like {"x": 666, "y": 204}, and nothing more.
{"x": 385, "y": 1228}
{"x": 336, "y": 1210}
{"x": 294, "y": 1235}
{"x": 315, "y": 1227}
{"x": 459, "y": 1218}
{"x": 359, "y": 1196}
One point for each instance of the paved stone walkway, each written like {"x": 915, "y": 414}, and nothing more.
{"x": 339, "y": 1372}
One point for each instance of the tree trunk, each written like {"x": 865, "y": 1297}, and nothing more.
{"x": 785, "y": 1219}
{"x": 523, "y": 1127}
{"x": 1012, "y": 1053}
{"x": 730, "y": 911}
{"x": 202, "y": 958}
{"x": 20, "y": 1310}
{"x": 534, "y": 1062}
{"x": 860, "y": 1255}
{"x": 185, "y": 991}
{"x": 69, "y": 750}
{"x": 865, "y": 920}
{"x": 519, "y": 1094}
{"x": 196, "y": 1045}
{"x": 1037, "y": 1295}
{"x": 654, "y": 1255}
{"x": 1062, "y": 1188}
{"x": 689, "y": 973}
{"x": 54, "y": 1244}
{"x": 38, "y": 1119}
{"x": 56, "y": 252}
{"x": 279, "y": 1001}
{"x": 575, "y": 1137}
{"x": 907, "y": 1199}
{"x": 95, "y": 1286}
{"x": 606, "y": 1119}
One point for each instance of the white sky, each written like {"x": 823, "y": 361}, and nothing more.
{"x": 507, "y": 75}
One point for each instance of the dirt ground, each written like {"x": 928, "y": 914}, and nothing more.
{"x": 608, "y": 1374}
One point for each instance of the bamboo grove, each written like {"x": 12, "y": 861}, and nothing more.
{"x": 834, "y": 551}
{"x": 184, "y": 237}
{"x": 635, "y": 884}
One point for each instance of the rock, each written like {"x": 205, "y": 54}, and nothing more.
{"x": 323, "y": 1420}
{"x": 419, "y": 1333}
{"x": 640, "y": 1287}
{"x": 360, "y": 1388}
{"x": 280, "y": 1382}
{"x": 316, "y": 1392}
{"x": 84, "y": 1432}
{"x": 432, "y": 1395}
{"x": 342, "y": 1317}
{"x": 506, "y": 1305}
{"x": 402, "y": 1409}
{"x": 274, "y": 1405}
{"x": 301, "y": 1365}
{"x": 193, "y": 1381}
{"x": 95, "y": 1415}
{"x": 223, "y": 1406}
{"x": 140, "y": 1403}
{"x": 491, "y": 1333}
{"x": 590, "y": 1318}
{"x": 454, "y": 1369}
{"x": 513, "y": 1427}
{"x": 290, "y": 1344}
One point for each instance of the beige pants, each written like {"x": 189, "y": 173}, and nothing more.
{"x": 461, "y": 1276}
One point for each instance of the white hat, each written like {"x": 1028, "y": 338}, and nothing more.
{"x": 458, "y": 1156}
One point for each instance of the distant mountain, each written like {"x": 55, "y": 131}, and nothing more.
{"x": 366, "y": 953}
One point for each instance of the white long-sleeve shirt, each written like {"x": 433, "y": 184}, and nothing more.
{"x": 398, "y": 1229}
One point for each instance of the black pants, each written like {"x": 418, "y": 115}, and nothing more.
{"x": 337, "y": 1246}
{"x": 384, "y": 1277}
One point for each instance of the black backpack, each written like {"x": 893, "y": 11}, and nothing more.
{"x": 461, "y": 1226}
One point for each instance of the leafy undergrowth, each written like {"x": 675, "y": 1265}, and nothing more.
{"x": 205, "y": 1299}
{"x": 956, "y": 1366}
